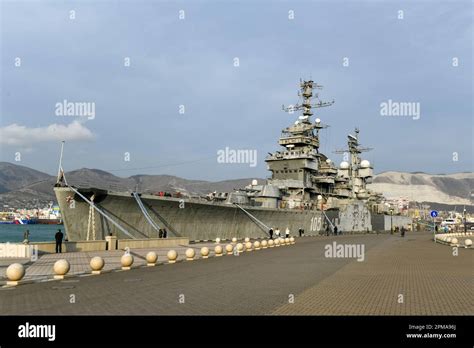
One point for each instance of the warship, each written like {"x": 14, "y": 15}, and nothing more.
{"x": 306, "y": 191}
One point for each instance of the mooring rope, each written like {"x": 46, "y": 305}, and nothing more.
{"x": 144, "y": 211}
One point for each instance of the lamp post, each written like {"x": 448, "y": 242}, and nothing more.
{"x": 391, "y": 220}
{"x": 464, "y": 219}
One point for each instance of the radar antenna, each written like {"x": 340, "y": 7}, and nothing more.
{"x": 306, "y": 91}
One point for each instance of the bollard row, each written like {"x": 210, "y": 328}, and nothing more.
{"x": 16, "y": 271}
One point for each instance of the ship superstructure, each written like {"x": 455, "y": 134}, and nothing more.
{"x": 306, "y": 191}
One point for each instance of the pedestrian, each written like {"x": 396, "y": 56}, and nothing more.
{"x": 270, "y": 232}
{"x": 59, "y": 241}
{"x": 300, "y": 232}
{"x": 277, "y": 232}
{"x": 327, "y": 230}
{"x": 26, "y": 235}
{"x": 287, "y": 233}
{"x": 335, "y": 230}
{"x": 160, "y": 233}
{"x": 165, "y": 233}
{"x": 402, "y": 231}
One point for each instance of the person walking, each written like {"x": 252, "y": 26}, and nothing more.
{"x": 300, "y": 232}
{"x": 335, "y": 230}
{"x": 270, "y": 232}
{"x": 165, "y": 233}
{"x": 287, "y": 233}
{"x": 59, "y": 241}
{"x": 402, "y": 231}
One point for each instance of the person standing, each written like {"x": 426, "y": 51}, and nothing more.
{"x": 287, "y": 233}
{"x": 335, "y": 230}
{"x": 165, "y": 233}
{"x": 300, "y": 232}
{"x": 277, "y": 232}
{"x": 59, "y": 241}
{"x": 26, "y": 237}
{"x": 270, "y": 232}
{"x": 402, "y": 231}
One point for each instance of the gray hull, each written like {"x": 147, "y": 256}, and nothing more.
{"x": 181, "y": 218}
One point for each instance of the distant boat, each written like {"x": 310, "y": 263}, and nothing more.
{"x": 19, "y": 221}
{"x": 49, "y": 221}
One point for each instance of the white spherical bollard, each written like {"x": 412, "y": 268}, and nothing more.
{"x": 205, "y": 252}
{"x": 248, "y": 246}
{"x": 172, "y": 255}
{"x": 234, "y": 240}
{"x": 271, "y": 243}
{"x": 448, "y": 239}
{"x": 97, "y": 263}
{"x": 60, "y": 268}
{"x": 277, "y": 242}
{"x": 15, "y": 272}
{"x": 454, "y": 241}
{"x": 292, "y": 240}
{"x": 126, "y": 261}
{"x": 247, "y": 239}
{"x": 256, "y": 245}
{"x": 264, "y": 244}
{"x": 218, "y": 240}
{"x": 287, "y": 241}
{"x": 190, "y": 253}
{"x": 240, "y": 247}
{"x": 468, "y": 242}
{"x": 229, "y": 248}
{"x": 218, "y": 250}
{"x": 151, "y": 258}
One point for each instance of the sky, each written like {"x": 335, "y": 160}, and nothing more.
{"x": 169, "y": 84}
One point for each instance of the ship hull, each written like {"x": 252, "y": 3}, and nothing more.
{"x": 181, "y": 218}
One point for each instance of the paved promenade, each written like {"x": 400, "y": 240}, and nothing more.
{"x": 295, "y": 279}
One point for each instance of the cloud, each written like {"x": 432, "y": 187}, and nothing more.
{"x": 15, "y": 134}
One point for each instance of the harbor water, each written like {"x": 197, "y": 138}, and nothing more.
{"x": 38, "y": 233}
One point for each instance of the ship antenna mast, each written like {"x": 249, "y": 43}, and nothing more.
{"x": 306, "y": 91}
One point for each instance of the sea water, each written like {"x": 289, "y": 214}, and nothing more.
{"x": 38, "y": 233}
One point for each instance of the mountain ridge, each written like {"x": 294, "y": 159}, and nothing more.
{"x": 22, "y": 186}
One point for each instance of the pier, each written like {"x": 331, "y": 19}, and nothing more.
{"x": 398, "y": 276}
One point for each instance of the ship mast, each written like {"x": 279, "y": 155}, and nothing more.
{"x": 301, "y": 135}
{"x": 354, "y": 150}
{"x": 306, "y": 91}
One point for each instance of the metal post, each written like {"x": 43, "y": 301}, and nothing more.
{"x": 60, "y": 161}
{"x": 391, "y": 221}
{"x": 464, "y": 218}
